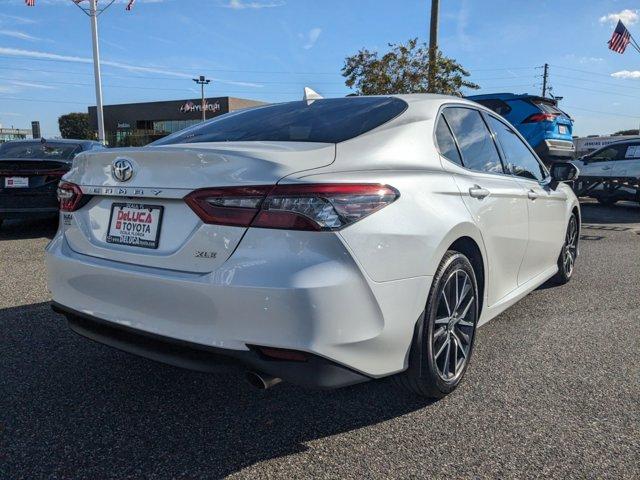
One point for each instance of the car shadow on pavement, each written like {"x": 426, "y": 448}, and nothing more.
{"x": 33, "y": 228}
{"x": 74, "y": 408}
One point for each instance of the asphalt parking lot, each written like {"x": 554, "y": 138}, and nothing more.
{"x": 553, "y": 390}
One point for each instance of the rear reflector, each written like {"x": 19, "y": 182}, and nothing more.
{"x": 283, "y": 354}
{"x": 291, "y": 207}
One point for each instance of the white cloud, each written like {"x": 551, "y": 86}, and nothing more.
{"x": 18, "y": 34}
{"x": 16, "y": 19}
{"x": 628, "y": 74}
{"x": 583, "y": 60}
{"x": 243, "y": 4}
{"x": 628, "y": 17}
{"x": 42, "y": 86}
{"x": 18, "y": 52}
{"x": 311, "y": 38}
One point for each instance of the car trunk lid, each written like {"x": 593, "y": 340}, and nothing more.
{"x": 153, "y": 199}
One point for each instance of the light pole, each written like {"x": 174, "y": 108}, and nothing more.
{"x": 93, "y": 15}
{"x": 202, "y": 81}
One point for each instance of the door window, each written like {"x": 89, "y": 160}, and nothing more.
{"x": 446, "y": 143}
{"x": 518, "y": 159}
{"x": 632, "y": 152}
{"x": 608, "y": 154}
{"x": 478, "y": 149}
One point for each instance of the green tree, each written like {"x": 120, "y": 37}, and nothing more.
{"x": 76, "y": 125}
{"x": 403, "y": 69}
{"x": 626, "y": 132}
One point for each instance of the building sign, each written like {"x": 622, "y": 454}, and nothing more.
{"x": 123, "y": 125}
{"x": 190, "y": 107}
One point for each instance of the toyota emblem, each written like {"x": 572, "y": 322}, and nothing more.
{"x": 122, "y": 169}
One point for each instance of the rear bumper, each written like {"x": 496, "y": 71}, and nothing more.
{"x": 24, "y": 213}
{"x": 315, "y": 372}
{"x": 27, "y": 203}
{"x": 313, "y": 299}
{"x": 556, "y": 149}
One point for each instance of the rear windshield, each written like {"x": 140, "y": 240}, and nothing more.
{"x": 326, "y": 121}
{"x": 548, "y": 108}
{"x": 38, "y": 150}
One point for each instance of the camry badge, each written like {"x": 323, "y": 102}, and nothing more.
{"x": 122, "y": 170}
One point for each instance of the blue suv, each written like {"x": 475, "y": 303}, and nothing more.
{"x": 547, "y": 128}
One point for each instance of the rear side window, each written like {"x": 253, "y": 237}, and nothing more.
{"x": 498, "y": 106}
{"x": 474, "y": 139}
{"x": 327, "y": 121}
{"x": 519, "y": 160}
{"x": 446, "y": 143}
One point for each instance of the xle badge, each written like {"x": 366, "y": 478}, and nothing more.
{"x": 199, "y": 254}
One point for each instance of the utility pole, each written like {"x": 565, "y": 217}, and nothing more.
{"x": 202, "y": 81}
{"x": 545, "y": 77}
{"x": 93, "y": 15}
{"x": 433, "y": 45}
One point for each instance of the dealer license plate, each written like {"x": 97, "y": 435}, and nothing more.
{"x": 16, "y": 182}
{"x": 135, "y": 224}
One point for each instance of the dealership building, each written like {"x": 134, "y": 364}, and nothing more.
{"x": 133, "y": 124}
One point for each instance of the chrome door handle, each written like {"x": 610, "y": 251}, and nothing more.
{"x": 478, "y": 192}
{"x": 532, "y": 194}
{"x": 606, "y": 168}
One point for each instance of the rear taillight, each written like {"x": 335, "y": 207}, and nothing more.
{"x": 291, "y": 207}
{"x": 69, "y": 196}
{"x": 540, "y": 117}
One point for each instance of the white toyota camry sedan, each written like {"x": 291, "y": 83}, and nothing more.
{"x": 322, "y": 242}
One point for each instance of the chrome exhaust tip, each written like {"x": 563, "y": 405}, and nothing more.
{"x": 262, "y": 381}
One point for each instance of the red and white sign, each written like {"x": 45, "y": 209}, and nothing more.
{"x": 135, "y": 224}
{"x": 16, "y": 182}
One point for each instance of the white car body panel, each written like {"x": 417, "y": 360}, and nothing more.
{"x": 352, "y": 296}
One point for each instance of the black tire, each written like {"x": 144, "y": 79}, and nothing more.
{"x": 607, "y": 201}
{"x": 569, "y": 253}
{"x": 428, "y": 362}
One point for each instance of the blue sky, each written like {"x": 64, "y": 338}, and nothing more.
{"x": 270, "y": 49}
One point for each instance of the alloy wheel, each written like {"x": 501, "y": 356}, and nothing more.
{"x": 570, "y": 247}
{"x": 454, "y": 325}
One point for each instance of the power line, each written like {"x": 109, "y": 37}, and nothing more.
{"x": 598, "y": 91}
{"x": 609, "y": 84}
{"x": 616, "y": 114}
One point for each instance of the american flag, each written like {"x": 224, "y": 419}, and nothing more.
{"x": 620, "y": 38}
{"x": 30, "y": 3}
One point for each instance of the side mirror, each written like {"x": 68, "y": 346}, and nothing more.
{"x": 564, "y": 172}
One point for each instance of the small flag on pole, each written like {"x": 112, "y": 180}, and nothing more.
{"x": 30, "y": 3}
{"x": 620, "y": 38}
{"x": 130, "y": 5}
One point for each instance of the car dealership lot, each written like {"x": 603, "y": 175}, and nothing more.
{"x": 554, "y": 390}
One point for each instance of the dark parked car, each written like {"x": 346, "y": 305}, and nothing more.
{"x": 29, "y": 174}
